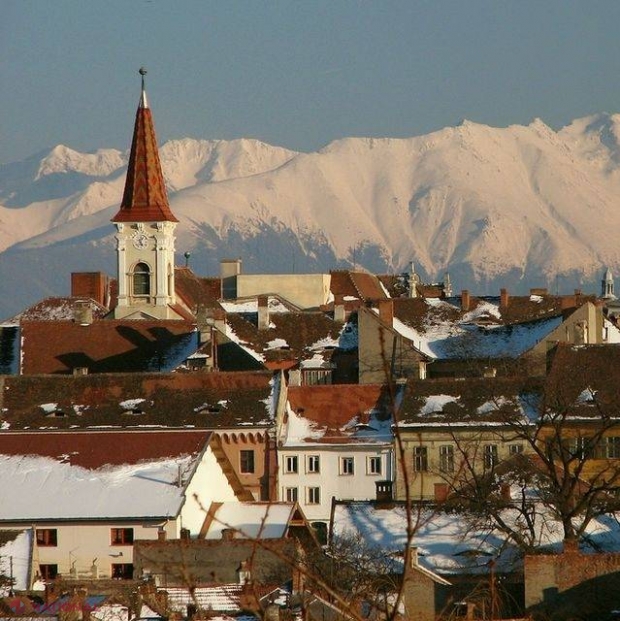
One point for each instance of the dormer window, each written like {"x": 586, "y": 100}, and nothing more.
{"x": 141, "y": 279}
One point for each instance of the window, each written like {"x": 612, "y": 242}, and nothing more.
{"x": 580, "y": 447}
{"x": 490, "y": 456}
{"x": 374, "y": 465}
{"x": 122, "y": 571}
{"x": 290, "y": 464}
{"x": 313, "y": 464}
{"x": 48, "y": 572}
{"x": 290, "y": 494}
{"x": 420, "y": 459}
{"x": 446, "y": 458}
{"x": 247, "y": 462}
{"x": 47, "y": 537}
{"x": 313, "y": 495}
{"x": 122, "y": 536}
{"x": 609, "y": 448}
{"x": 141, "y": 279}
{"x": 515, "y": 449}
{"x": 347, "y": 465}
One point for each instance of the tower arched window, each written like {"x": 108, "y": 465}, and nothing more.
{"x": 141, "y": 279}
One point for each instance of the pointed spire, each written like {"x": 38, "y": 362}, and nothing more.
{"x": 144, "y": 197}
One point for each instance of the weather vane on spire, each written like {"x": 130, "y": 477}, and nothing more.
{"x": 143, "y": 102}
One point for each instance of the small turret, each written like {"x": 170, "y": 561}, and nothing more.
{"x": 607, "y": 286}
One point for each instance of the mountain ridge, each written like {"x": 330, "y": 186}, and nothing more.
{"x": 519, "y": 206}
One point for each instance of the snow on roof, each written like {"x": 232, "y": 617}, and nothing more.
{"x": 250, "y": 305}
{"x": 219, "y": 598}
{"x": 456, "y": 339}
{"x": 448, "y": 544}
{"x": 40, "y": 488}
{"x": 251, "y": 520}
{"x": 15, "y": 548}
{"x": 300, "y": 429}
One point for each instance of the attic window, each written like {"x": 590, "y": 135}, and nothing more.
{"x": 51, "y": 410}
{"x": 134, "y": 412}
{"x": 208, "y": 408}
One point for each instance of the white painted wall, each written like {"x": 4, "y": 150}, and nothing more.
{"x": 332, "y": 483}
{"x": 209, "y": 484}
{"x": 303, "y": 290}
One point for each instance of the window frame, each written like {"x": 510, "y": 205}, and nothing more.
{"x": 490, "y": 455}
{"x": 374, "y": 470}
{"x": 446, "y": 458}
{"x": 291, "y": 494}
{"x": 141, "y": 280}
{"x": 291, "y": 464}
{"x": 50, "y": 572}
{"x": 47, "y": 537}
{"x": 244, "y": 466}
{"x": 420, "y": 459}
{"x": 121, "y": 571}
{"x": 347, "y": 466}
{"x": 313, "y": 464}
{"x": 121, "y": 536}
{"x": 313, "y": 495}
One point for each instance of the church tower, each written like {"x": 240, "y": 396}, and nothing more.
{"x": 145, "y": 229}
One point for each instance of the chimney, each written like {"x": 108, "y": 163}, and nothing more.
{"x": 228, "y": 534}
{"x": 161, "y": 534}
{"x": 386, "y": 311}
{"x": 542, "y": 291}
{"x": 412, "y": 554}
{"x": 185, "y": 534}
{"x": 229, "y": 270}
{"x": 465, "y": 301}
{"x": 83, "y": 314}
{"x": 263, "y": 312}
{"x": 244, "y": 573}
{"x": 503, "y": 298}
{"x": 339, "y": 316}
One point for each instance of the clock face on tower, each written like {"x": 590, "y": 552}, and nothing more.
{"x": 140, "y": 241}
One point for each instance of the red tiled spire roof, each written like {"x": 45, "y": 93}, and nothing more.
{"x": 144, "y": 198}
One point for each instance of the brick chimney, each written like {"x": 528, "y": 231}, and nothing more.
{"x": 504, "y": 298}
{"x": 263, "y": 312}
{"x": 465, "y": 301}
{"x": 339, "y": 315}
{"x": 386, "y": 311}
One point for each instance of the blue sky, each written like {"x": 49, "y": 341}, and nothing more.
{"x": 298, "y": 74}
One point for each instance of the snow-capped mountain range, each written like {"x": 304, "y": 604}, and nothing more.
{"x": 514, "y": 207}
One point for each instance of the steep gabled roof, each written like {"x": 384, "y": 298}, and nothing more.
{"x": 355, "y": 287}
{"x": 291, "y": 337}
{"x": 485, "y": 329}
{"x": 202, "y": 400}
{"x": 583, "y": 381}
{"x": 106, "y": 346}
{"x": 196, "y": 291}
{"x": 60, "y": 309}
{"x": 340, "y": 413}
{"x": 144, "y": 198}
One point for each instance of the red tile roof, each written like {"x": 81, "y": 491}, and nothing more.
{"x": 93, "y": 449}
{"x": 103, "y": 346}
{"x": 144, "y": 198}
{"x": 204, "y": 400}
{"x": 335, "y": 405}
